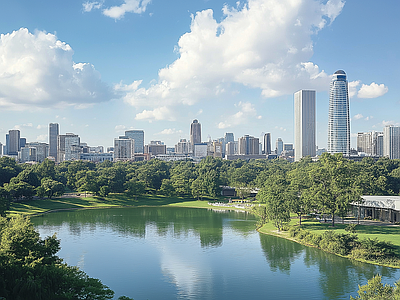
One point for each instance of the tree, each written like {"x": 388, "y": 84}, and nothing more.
{"x": 135, "y": 187}
{"x": 31, "y": 270}
{"x": 4, "y": 201}
{"x": 274, "y": 195}
{"x": 333, "y": 184}
{"x": 167, "y": 188}
{"x": 20, "y": 190}
{"x": 52, "y": 187}
{"x": 376, "y": 290}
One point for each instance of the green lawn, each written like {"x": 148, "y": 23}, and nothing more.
{"x": 45, "y": 205}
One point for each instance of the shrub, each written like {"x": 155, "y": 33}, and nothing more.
{"x": 351, "y": 228}
{"x": 339, "y": 243}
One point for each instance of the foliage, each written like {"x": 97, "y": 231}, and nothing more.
{"x": 351, "y": 228}
{"x": 376, "y": 290}
{"x": 30, "y": 269}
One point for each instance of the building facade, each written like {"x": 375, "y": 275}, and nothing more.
{"x": 14, "y": 139}
{"x": 248, "y": 145}
{"x": 370, "y": 143}
{"x": 391, "y": 141}
{"x": 195, "y": 132}
{"x": 124, "y": 149}
{"x": 304, "y": 124}
{"x": 54, "y": 131}
{"x": 339, "y": 115}
{"x": 138, "y": 136}
{"x": 267, "y": 143}
{"x": 279, "y": 146}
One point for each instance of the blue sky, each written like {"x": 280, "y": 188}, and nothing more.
{"x": 101, "y": 67}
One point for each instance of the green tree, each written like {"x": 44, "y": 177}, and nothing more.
{"x": 135, "y": 187}
{"x": 52, "y": 187}
{"x": 30, "y": 269}
{"x": 275, "y": 197}
{"x": 333, "y": 184}
{"x": 376, "y": 290}
{"x": 167, "y": 188}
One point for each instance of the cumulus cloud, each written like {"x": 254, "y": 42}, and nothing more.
{"x": 246, "y": 112}
{"x": 353, "y": 85}
{"x": 41, "y": 138}
{"x": 132, "y": 6}
{"x": 372, "y": 91}
{"x": 160, "y": 113}
{"x": 263, "y": 44}
{"x": 169, "y": 131}
{"x": 358, "y": 116}
{"x": 89, "y": 6}
{"x": 37, "y": 70}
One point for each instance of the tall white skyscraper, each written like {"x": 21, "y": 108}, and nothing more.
{"x": 279, "y": 146}
{"x": 391, "y": 141}
{"x": 304, "y": 124}
{"x": 14, "y": 142}
{"x": 339, "y": 116}
{"x": 124, "y": 149}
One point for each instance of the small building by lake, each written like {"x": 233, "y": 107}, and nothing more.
{"x": 383, "y": 208}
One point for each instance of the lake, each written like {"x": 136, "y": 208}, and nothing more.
{"x": 189, "y": 253}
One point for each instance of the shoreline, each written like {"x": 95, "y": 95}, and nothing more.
{"x": 185, "y": 203}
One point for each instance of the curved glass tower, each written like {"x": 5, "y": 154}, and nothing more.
{"x": 339, "y": 117}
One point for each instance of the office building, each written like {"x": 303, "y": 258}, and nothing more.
{"x": 391, "y": 141}
{"x": 200, "y": 150}
{"x": 370, "y": 143}
{"x": 54, "y": 131}
{"x": 68, "y": 147}
{"x": 304, "y": 124}
{"x": 195, "y": 132}
{"x": 229, "y": 137}
{"x": 38, "y": 151}
{"x": 7, "y": 145}
{"x": 248, "y": 145}
{"x": 1, "y": 149}
{"x": 183, "y": 147}
{"x": 14, "y": 142}
{"x": 231, "y": 148}
{"x": 155, "y": 148}
{"x": 22, "y": 142}
{"x": 267, "y": 143}
{"x": 279, "y": 146}
{"x": 124, "y": 149}
{"x": 339, "y": 116}
{"x": 138, "y": 137}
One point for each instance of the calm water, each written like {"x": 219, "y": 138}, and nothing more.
{"x": 183, "y": 253}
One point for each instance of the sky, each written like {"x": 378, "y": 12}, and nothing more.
{"x": 99, "y": 68}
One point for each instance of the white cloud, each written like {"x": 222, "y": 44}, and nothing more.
{"x": 89, "y": 6}
{"x": 27, "y": 125}
{"x": 120, "y": 128}
{"x": 386, "y": 123}
{"x": 41, "y": 138}
{"x": 160, "y": 113}
{"x": 132, "y": 6}
{"x": 246, "y": 112}
{"x": 358, "y": 117}
{"x": 37, "y": 70}
{"x": 169, "y": 131}
{"x": 263, "y": 44}
{"x": 353, "y": 88}
{"x": 40, "y": 126}
{"x": 372, "y": 91}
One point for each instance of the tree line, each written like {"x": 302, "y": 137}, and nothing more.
{"x": 327, "y": 185}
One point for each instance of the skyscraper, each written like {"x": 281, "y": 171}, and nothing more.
{"x": 195, "y": 132}
{"x": 267, "y": 143}
{"x": 248, "y": 145}
{"x": 391, "y": 141}
{"x": 339, "y": 117}
{"x": 304, "y": 124}
{"x": 124, "y": 149}
{"x": 138, "y": 136}
{"x": 14, "y": 138}
{"x": 53, "y": 133}
{"x": 279, "y": 146}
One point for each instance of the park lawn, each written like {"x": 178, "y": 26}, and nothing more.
{"x": 34, "y": 207}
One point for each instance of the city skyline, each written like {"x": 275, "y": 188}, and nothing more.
{"x": 122, "y": 64}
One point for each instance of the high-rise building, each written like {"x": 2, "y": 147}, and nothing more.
{"x": 248, "y": 145}
{"x": 391, "y": 141}
{"x": 155, "y": 148}
{"x": 229, "y": 137}
{"x": 68, "y": 147}
{"x": 195, "y": 132}
{"x": 53, "y": 133}
{"x": 7, "y": 145}
{"x": 22, "y": 142}
{"x": 370, "y": 143}
{"x": 304, "y": 124}
{"x": 339, "y": 116}
{"x": 267, "y": 143}
{"x": 1, "y": 149}
{"x": 138, "y": 136}
{"x": 279, "y": 146}
{"x": 183, "y": 147}
{"x": 15, "y": 142}
{"x": 38, "y": 151}
{"x": 124, "y": 149}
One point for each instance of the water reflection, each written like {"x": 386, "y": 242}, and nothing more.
{"x": 181, "y": 253}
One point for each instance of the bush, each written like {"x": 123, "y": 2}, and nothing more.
{"x": 351, "y": 228}
{"x": 339, "y": 243}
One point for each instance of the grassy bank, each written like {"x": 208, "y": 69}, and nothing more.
{"x": 382, "y": 233}
{"x": 34, "y": 207}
